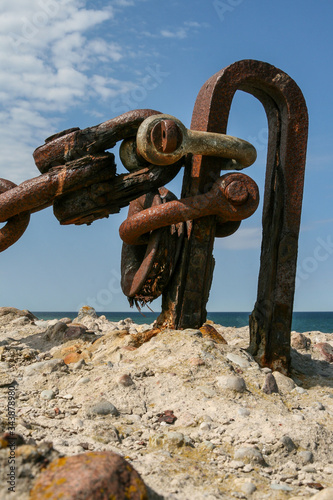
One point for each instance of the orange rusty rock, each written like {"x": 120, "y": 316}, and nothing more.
{"x": 142, "y": 337}
{"x": 97, "y": 475}
{"x": 73, "y": 357}
{"x": 208, "y": 331}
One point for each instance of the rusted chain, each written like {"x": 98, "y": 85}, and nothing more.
{"x": 16, "y": 225}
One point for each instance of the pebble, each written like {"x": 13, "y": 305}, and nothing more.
{"x": 86, "y": 311}
{"x": 239, "y": 360}
{"x": 243, "y": 412}
{"x": 231, "y": 382}
{"x": 319, "y": 406}
{"x": 325, "y": 351}
{"x": 249, "y": 455}
{"x": 205, "y": 426}
{"x": 103, "y": 408}
{"x": 47, "y": 394}
{"x": 285, "y": 384}
{"x": 49, "y": 366}
{"x": 83, "y": 380}
{"x": 270, "y": 385}
{"x": 125, "y": 380}
{"x": 248, "y": 488}
{"x": 288, "y": 443}
{"x": 306, "y": 456}
{"x": 281, "y": 487}
{"x": 300, "y": 341}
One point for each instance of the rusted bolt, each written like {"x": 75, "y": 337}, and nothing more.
{"x": 236, "y": 192}
{"x": 166, "y": 136}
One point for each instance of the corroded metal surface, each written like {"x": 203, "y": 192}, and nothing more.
{"x": 163, "y": 139}
{"x": 233, "y": 197}
{"x": 185, "y": 302}
{"x": 16, "y": 225}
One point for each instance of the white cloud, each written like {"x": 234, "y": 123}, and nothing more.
{"x": 50, "y": 60}
{"x": 243, "y": 239}
{"x": 179, "y": 33}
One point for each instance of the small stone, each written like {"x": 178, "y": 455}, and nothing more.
{"x": 248, "y": 468}
{"x": 325, "y": 351}
{"x": 208, "y": 331}
{"x": 300, "y": 341}
{"x": 83, "y": 380}
{"x": 248, "y": 488}
{"x": 72, "y": 357}
{"x": 205, "y": 426}
{"x": 68, "y": 396}
{"x": 196, "y": 362}
{"x": 238, "y": 360}
{"x": 249, "y": 455}
{"x": 306, "y": 457}
{"x": 243, "y": 412}
{"x": 319, "y": 406}
{"x": 232, "y": 382}
{"x": 288, "y": 443}
{"x": 167, "y": 416}
{"x": 281, "y": 487}
{"x": 208, "y": 445}
{"x": 270, "y": 385}
{"x": 266, "y": 370}
{"x": 125, "y": 380}
{"x": 325, "y": 494}
{"x": 65, "y": 320}
{"x": 328, "y": 470}
{"x": 109, "y": 364}
{"x": 236, "y": 464}
{"x": 80, "y": 364}
{"x": 6, "y": 379}
{"x": 284, "y": 383}
{"x": 49, "y": 366}
{"x": 175, "y": 439}
{"x": 103, "y": 408}
{"x": 95, "y": 475}
{"x": 47, "y": 394}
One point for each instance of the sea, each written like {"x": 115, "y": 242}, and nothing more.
{"x": 302, "y": 321}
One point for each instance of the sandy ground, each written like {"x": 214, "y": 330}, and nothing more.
{"x": 186, "y": 410}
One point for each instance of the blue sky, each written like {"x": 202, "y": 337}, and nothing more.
{"x": 69, "y": 63}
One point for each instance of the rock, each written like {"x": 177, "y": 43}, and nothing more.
{"x": 8, "y": 314}
{"x": 325, "y": 494}
{"x": 97, "y": 475}
{"x": 23, "y": 320}
{"x": 56, "y": 332}
{"x": 6, "y": 379}
{"x": 74, "y": 332}
{"x": 288, "y": 443}
{"x": 125, "y": 380}
{"x": 209, "y": 332}
{"x": 205, "y": 426}
{"x": 73, "y": 357}
{"x": 175, "y": 439}
{"x": 284, "y": 383}
{"x": 232, "y": 383}
{"x": 103, "y": 408}
{"x": 47, "y": 394}
{"x": 281, "y": 487}
{"x": 239, "y": 360}
{"x": 86, "y": 311}
{"x": 65, "y": 320}
{"x": 325, "y": 351}
{"x": 300, "y": 341}
{"x": 49, "y": 366}
{"x": 249, "y": 455}
{"x": 248, "y": 488}
{"x": 306, "y": 457}
{"x": 270, "y": 385}
{"x": 243, "y": 412}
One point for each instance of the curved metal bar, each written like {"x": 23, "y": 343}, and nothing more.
{"x": 270, "y": 321}
{"x": 15, "y": 227}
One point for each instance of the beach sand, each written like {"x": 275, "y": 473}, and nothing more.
{"x": 195, "y": 416}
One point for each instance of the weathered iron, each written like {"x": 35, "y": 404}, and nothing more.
{"x": 168, "y": 242}
{"x": 184, "y": 301}
{"x": 162, "y": 140}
